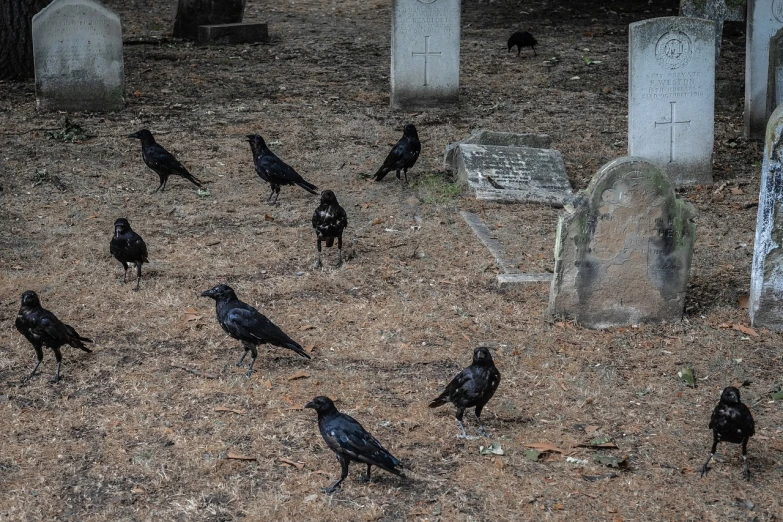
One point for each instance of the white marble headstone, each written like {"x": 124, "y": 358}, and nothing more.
{"x": 77, "y": 48}
{"x": 671, "y": 101}
{"x": 765, "y": 18}
{"x": 425, "y": 53}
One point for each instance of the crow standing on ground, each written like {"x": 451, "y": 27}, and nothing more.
{"x": 473, "y": 386}
{"x": 731, "y": 421}
{"x": 522, "y": 39}
{"x": 403, "y": 155}
{"x": 161, "y": 161}
{"x": 273, "y": 170}
{"x": 42, "y": 328}
{"x": 329, "y": 221}
{"x": 244, "y": 323}
{"x": 128, "y": 247}
{"x": 350, "y": 441}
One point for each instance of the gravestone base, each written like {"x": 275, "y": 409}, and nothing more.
{"x": 233, "y": 34}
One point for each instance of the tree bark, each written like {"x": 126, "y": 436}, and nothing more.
{"x": 192, "y": 13}
{"x": 16, "y": 37}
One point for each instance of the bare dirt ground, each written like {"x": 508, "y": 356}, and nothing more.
{"x": 128, "y": 436}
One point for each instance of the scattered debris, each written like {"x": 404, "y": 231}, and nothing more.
{"x": 686, "y": 376}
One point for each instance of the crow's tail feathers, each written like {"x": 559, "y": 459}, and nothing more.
{"x": 378, "y": 176}
{"x": 440, "y": 401}
{"x": 193, "y": 179}
{"x": 309, "y": 187}
{"x": 78, "y": 342}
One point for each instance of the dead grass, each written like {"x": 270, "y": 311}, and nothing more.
{"x": 127, "y": 436}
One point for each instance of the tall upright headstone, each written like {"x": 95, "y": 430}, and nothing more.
{"x": 425, "y": 53}
{"x": 671, "y": 100}
{"x": 765, "y": 18}
{"x": 623, "y": 251}
{"x": 77, "y": 49}
{"x": 766, "y": 277}
{"x": 775, "y": 74}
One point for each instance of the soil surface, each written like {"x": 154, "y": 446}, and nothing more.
{"x": 130, "y": 435}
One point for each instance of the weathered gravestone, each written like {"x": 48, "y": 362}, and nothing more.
{"x": 425, "y": 53}
{"x": 765, "y": 18}
{"x": 671, "y": 102}
{"x": 488, "y": 137}
{"x": 716, "y": 10}
{"x": 77, "y": 49}
{"x": 775, "y": 74}
{"x": 623, "y": 253}
{"x": 766, "y": 278}
{"x": 513, "y": 174}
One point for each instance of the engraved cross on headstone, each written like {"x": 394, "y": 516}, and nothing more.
{"x": 426, "y": 54}
{"x": 671, "y": 123}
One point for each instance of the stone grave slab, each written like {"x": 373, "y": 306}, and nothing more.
{"x": 425, "y": 53}
{"x": 623, "y": 250}
{"x": 77, "y": 49}
{"x": 192, "y": 14}
{"x": 671, "y": 99}
{"x": 233, "y": 34}
{"x": 765, "y": 18}
{"x": 513, "y": 174}
{"x": 766, "y": 277}
{"x": 488, "y": 137}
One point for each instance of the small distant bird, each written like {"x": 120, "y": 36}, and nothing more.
{"x": 128, "y": 247}
{"x": 731, "y": 421}
{"x": 350, "y": 441}
{"x": 403, "y": 155}
{"x": 473, "y": 386}
{"x": 329, "y": 221}
{"x": 244, "y": 323}
{"x": 522, "y": 39}
{"x": 273, "y": 170}
{"x": 161, "y": 161}
{"x": 42, "y": 328}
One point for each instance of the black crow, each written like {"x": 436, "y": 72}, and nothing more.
{"x": 473, "y": 386}
{"x": 731, "y": 421}
{"x": 244, "y": 323}
{"x": 128, "y": 247}
{"x": 161, "y": 161}
{"x": 403, "y": 155}
{"x": 350, "y": 441}
{"x": 273, "y": 170}
{"x": 329, "y": 221}
{"x": 42, "y": 328}
{"x": 522, "y": 39}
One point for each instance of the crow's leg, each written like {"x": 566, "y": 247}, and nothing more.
{"x": 160, "y": 187}
{"x": 276, "y": 189}
{"x": 405, "y": 171}
{"x": 59, "y": 357}
{"x": 340, "y": 250}
{"x": 125, "y": 273}
{"x": 343, "y": 474}
{"x": 746, "y": 473}
{"x": 367, "y": 478}
{"x": 464, "y": 435}
{"x": 398, "y": 175}
{"x": 319, "y": 264}
{"x": 39, "y": 356}
{"x": 239, "y": 362}
{"x": 254, "y": 354}
{"x": 138, "y": 276}
{"x": 271, "y": 193}
{"x": 534, "y": 51}
{"x": 481, "y": 424}
{"x": 165, "y": 182}
{"x": 704, "y": 468}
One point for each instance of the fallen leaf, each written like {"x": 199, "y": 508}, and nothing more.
{"x": 93, "y": 216}
{"x": 742, "y": 302}
{"x": 268, "y": 384}
{"x": 591, "y": 429}
{"x": 737, "y": 191}
{"x": 686, "y": 376}
{"x": 544, "y": 447}
{"x": 492, "y": 449}
{"x": 138, "y": 490}
{"x": 193, "y": 317}
{"x": 267, "y": 217}
{"x": 744, "y": 329}
{"x": 309, "y": 348}
{"x": 559, "y": 506}
{"x": 239, "y": 456}
{"x": 531, "y": 454}
{"x": 298, "y": 375}
{"x": 230, "y": 410}
{"x": 289, "y": 462}
{"x": 307, "y": 327}
{"x": 377, "y": 221}
{"x": 777, "y": 396}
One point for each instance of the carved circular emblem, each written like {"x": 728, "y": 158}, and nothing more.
{"x": 674, "y": 49}
{"x": 777, "y": 10}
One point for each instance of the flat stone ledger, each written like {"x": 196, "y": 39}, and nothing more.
{"x": 671, "y": 102}
{"x": 77, "y": 49}
{"x": 765, "y": 18}
{"x": 425, "y": 54}
{"x": 488, "y": 137}
{"x": 766, "y": 277}
{"x": 513, "y": 174}
{"x": 623, "y": 252}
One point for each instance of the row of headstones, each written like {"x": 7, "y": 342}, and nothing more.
{"x": 623, "y": 250}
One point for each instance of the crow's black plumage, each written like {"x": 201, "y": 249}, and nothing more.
{"x": 473, "y": 386}
{"x": 128, "y": 247}
{"x": 731, "y": 421}
{"x": 329, "y": 221}
{"x": 273, "y": 170}
{"x": 244, "y": 323}
{"x": 161, "y": 161}
{"x": 522, "y": 39}
{"x": 403, "y": 155}
{"x": 350, "y": 441}
{"x": 42, "y": 328}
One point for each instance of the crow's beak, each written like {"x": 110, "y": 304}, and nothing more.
{"x": 134, "y": 135}
{"x": 208, "y": 293}
{"x": 310, "y": 405}
{"x": 249, "y": 137}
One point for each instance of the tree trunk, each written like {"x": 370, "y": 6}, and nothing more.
{"x": 16, "y": 37}
{"x": 192, "y": 13}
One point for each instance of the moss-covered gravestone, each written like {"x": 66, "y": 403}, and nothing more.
{"x": 623, "y": 251}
